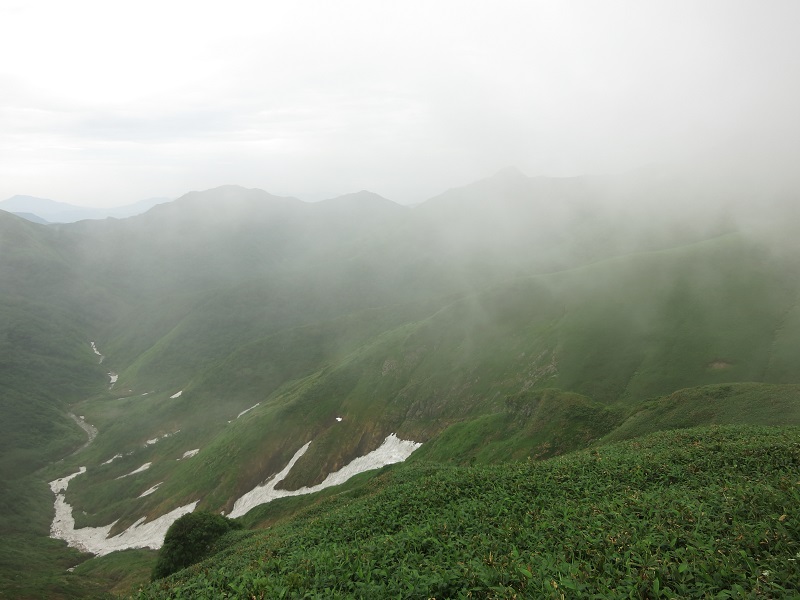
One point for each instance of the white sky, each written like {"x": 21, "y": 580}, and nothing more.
{"x": 109, "y": 102}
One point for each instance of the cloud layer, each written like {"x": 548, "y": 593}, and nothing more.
{"x": 108, "y": 104}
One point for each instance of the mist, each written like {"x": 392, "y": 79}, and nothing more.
{"x": 105, "y": 106}
{"x": 283, "y": 239}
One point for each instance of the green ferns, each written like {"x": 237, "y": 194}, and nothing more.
{"x": 708, "y": 512}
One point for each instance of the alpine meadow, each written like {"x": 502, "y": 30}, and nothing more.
{"x": 579, "y": 387}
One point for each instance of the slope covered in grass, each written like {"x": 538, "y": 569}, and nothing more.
{"x": 550, "y": 422}
{"x": 532, "y": 367}
{"x": 689, "y": 513}
{"x": 512, "y": 319}
{"x": 725, "y": 404}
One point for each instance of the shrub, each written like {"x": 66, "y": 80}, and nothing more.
{"x": 189, "y": 540}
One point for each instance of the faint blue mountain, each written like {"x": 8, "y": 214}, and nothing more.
{"x": 42, "y": 210}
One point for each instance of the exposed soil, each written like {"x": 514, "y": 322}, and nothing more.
{"x": 91, "y": 431}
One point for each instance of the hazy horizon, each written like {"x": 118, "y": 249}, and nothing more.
{"x": 105, "y": 105}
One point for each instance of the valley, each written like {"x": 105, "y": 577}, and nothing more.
{"x": 268, "y": 359}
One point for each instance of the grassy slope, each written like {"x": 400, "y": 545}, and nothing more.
{"x": 689, "y": 513}
{"x": 46, "y": 364}
{"x": 610, "y": 335}
{"x": 726, "y": 404}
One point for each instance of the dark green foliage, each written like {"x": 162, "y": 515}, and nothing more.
{"x": 189, "y": 540}
{"x": 698, "y": 513}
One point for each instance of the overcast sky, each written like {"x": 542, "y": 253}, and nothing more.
{"x": 106, "y": 103}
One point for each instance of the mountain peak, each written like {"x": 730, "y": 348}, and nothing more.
{"x": 509, "y": 173}
{"x": 363, "y": 200}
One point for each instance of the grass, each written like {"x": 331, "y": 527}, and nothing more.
{"x": 534, "y": 367}
{"x": 725, "y": 404}
{"x": 476, "y": 356}
{"x": 706, "y": 512}
{"x": 534, "y": 424}
{"x": 31, "y": 564}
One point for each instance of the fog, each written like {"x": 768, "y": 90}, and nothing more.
{"x": 107, "y": 105}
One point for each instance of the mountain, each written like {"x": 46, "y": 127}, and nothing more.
{"x": 233, "y": 344}
{"x": 31, "y": 217}
{"x": 42, "y": 210}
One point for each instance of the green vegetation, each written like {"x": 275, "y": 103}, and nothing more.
{"x": 727, "y": 404}
{"x": 510, "y": 320}
{"x": 709, "y": 512}
{"x": 189, "y": 540}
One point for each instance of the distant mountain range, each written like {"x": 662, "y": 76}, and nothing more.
{"x": 42, "y": 210}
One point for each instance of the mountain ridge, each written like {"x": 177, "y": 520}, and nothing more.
{"x": 242, "y": 325}
{"x": 51, "y": 211}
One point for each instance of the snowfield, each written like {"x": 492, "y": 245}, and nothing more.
{"x": 95, "y": 539}
{"x": 393, "y": 450}
{"x": 151, "y": 535}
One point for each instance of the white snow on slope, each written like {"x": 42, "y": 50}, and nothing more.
{"x": 247, "y": 410}
{"x": 144, "y": 467}
{"x": 96, "y": 351}
{"x": 189, "y": 454}
{"x": 149, "y": 491}
{"x": 95, "y": 539}
{"x": 60, "y": 485}
{"x": 112, "y": 378}
{"x": 155, "y": 440}
{"x": 112, "y": 459}
{"x": 176, "y": 395}
{"x": 393, "y": 450}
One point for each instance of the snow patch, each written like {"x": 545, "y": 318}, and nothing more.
{"x": 247, "y": 410}
{"x": 392, "y": 450}
{"x": 262, "y": 494}
{"x": 60, "y": 485}
{"x": 144, "y": 467}
{"x": 158, "y": 439}
{"x": 176, "y": 395}
{"x": 95, "y": 539}
{"x": 112, "y": 377}
{"x": 189, "y": 454}
{"x": 97, "y": 352}
{"x": 110, "y": 460}
{"x": 149, "y": 491}
{"x": 339, "y": 419}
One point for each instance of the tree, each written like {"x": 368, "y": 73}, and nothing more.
{"x": 189, "y": 540}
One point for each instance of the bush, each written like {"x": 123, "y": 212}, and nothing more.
{"x": 189, "y": 540}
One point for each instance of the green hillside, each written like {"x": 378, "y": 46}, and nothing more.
{"x": 690, "y": 513}
{"x": 605, "y": 338}
{"x": 513, "y": 319}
